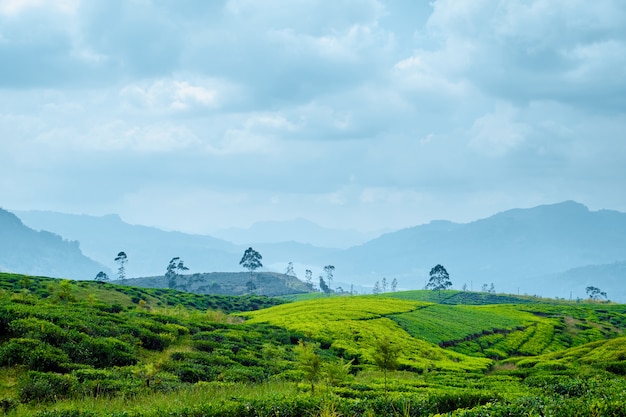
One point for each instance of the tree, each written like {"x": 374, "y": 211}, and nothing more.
{"x": 325, "y": 288}
{"x": 329, "y": 269}
{"x": 101, "y": 276}
{"x": 439, "y": 279}
{"x": 308, "y": 278}
{"x": 394, "y": 285}
{"x": 121, "y": 260}
{"x": 289, "y": 271}
{"x": 251, "y": 260}
{"x": 337, "y": 372}
{"x": 309, "y": 362}
{"x": 385, "y": 355}
{"x": 595, "y": 293}
{"x": 174, "y": 269}
{"x": 383, "y": 286}
{"x": 376, "y": 289}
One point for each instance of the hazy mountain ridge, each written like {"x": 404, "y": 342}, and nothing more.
{"x": 149, "y": 249}
{"x": 514, "y": 249}
{"x": 297, "y": 230}
{"x": 519, "y": 250}
{"x": 27, "y": 251}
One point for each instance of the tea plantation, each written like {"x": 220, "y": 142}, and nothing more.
{"x": 79, "y": 348}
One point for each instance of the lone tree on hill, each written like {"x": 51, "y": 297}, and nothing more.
{"x": 102, "y": 276}
{"x": 595, "y": 293}
{"x": 439, "y": 280}
{"x": 290, "y": 271}
{"x": 251, "y": 260}
{"x": 175, "y": 266}
{"x": 121, "y": 259}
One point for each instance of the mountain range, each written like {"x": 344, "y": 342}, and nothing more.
{"x": 32, "y": 252}
{"x": 552, "y": 250}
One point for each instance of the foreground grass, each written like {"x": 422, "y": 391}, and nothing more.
{"x": 64, "y": 352}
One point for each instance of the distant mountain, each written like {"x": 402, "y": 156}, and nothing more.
{"x": 515, "y": 250}
{"x": 526, "y": 251}
{"x": 149, "y": 249}
{"x": 297, "y": 230}
{"x": 611, "y": 278}
{"x": 229, "y": 283}
{"x": 24, "y": 250}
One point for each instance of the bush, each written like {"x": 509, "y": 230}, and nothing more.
{"x": 103, "y": 352}
{"x": 46, "y": 387}
{"x": 34, "y": 354}
{"x": 7, "y": 404}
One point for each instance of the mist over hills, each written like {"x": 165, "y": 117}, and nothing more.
{"x": 551, "y": 250}
{"x": 149, "y": 249}
{"x": 27, "y": 251}
{"x": 297, "y": 230}
{"x": 519, "y": 250}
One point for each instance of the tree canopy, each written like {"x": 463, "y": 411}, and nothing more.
{"x": 251, "y": 260}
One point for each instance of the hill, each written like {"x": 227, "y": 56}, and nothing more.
{"x": 515, "y": 250}
{"x": 27, "y": 251}
{"x": 230, "y": 283}
{"x": 520, "y": 251}
{"x": 89, "y": 349}
{"x": 149, "y": 249}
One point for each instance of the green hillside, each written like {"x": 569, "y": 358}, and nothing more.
{"x": 71, "y": 348}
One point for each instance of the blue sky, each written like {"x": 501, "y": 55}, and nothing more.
{"x": 371, "y": 115}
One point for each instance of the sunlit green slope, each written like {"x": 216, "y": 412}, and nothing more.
{"x": 499, "y": 331}
{"x": 352, "y": 324}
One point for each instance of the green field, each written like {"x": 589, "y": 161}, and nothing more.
{"x": 71, "y": 348}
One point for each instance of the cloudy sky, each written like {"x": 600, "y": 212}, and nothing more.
{"x": 366, "y": 114}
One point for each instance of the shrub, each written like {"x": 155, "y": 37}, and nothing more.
{"x": 34, "y": 354}
{"x": 102, "y": 352}
{"x": 45, "y": 387}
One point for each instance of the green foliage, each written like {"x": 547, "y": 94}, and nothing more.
{"x": 309, "y": 362}
{"x": 46, "y": 387}
{"x": 385, "y": 356}
{"x": 160, "y": 353}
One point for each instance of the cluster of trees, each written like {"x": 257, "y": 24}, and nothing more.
{"x": 383, "y": 286}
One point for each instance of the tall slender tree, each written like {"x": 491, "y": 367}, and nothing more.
{"x": 329, "y": 269}
{"x": 121, "y": 260}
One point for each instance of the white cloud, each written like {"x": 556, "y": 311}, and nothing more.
{"x": 13, "y": 7}
{"x": 119, "y": 136}
{"x": 495, "y": 134}
{"x": 170, "y": 95}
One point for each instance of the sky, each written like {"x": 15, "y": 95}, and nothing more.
{"x": 356, "y": 114}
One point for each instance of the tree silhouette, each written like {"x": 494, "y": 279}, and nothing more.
{"x": 101, "y": 276}
{"x": 174, "y": 269}
{"x": 439, "y": 280}
{"x": 329, "y": 269}
{"x": 325, "y": 288}
{"x": 251, "y": 260}
{"x": 595, "y": 293}
{"x": 121, "y": 259}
